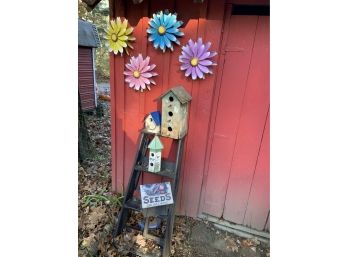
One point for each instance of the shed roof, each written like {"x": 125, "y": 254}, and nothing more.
{"x": 88, "y": 34}
{"x": 180, "y": 92}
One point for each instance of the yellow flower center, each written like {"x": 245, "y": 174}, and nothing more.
{"x": 194, "y": 61}
{"x": 114, "y": 37}
{"x": 161, "y": 30}
{"x": 136, "y": 74}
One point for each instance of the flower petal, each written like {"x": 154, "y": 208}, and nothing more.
{"x": 191, "y": 45}
{"x": 167, "y": 41}
{"x": 129, "y": 73}
{"x": 200, "y": 51}
{"x": 199, "y": 73}
{"x": 156, "y": 43}
{"x": 194, "y": 49}
{"x": 130, "y": 67}
{"x": 146, "y": 80}
{"x": 188, "y": 71}
{"x": 129, "y": 31}
{"x": 123, "y": 38}
{"x": 207, "y": 46}
{"x": 203, "y": 68}
{"x": 204, "y": 56}
{"x": 172, "y": 30}
{"x": 162, "y": 43}
{"x": 121, "y": 43}
{"x": 137, "y": 84}
{"x": 171, "y": 37}
{"x": 194, "y": 74}
{"x": 212, "y": 54}
{"x": 147, "y": 74}
{"x": 205, "y": 62}
{"x": 186, "y": 49}
{"x": 152, "y": 30}
{"x": 185, "y": 66}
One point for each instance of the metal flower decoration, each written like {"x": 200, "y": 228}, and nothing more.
{"x": 139, "y": 74}
{"x": 118, "y": 36}
{"x": 195, "y": 59}
{"x": 164, "y": 29}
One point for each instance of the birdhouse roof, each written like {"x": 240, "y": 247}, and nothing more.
{"x": 156, "y": 116}
{"x": 180, "y": 92}
{"x": 155, "y": 144}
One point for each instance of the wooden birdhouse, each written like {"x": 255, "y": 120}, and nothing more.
{"x": 153, "y": 122}
{"x": 175, "y": 112}
{"x": 155, "y": 155}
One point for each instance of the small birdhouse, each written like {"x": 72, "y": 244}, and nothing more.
{"x": 155, "y": 154}
{"x": 153, "y": 122}
{"x": 175, "y": 112}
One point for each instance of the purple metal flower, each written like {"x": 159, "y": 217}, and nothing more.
{"x": 194, "y": 57}
{"x": 139, "y": 74}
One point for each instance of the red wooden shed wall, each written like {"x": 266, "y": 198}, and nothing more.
{"x": 129, "y": 108}
{"x": 86, "y": 78}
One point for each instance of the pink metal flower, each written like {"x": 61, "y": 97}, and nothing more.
{"x": 195, "y": 59}
{"x": 139, "y": 74}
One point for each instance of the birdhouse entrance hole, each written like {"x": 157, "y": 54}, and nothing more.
{"x": 170, "y": 113}
{"x": 171, "y": 99}
{"x": 151, "y": 164}
{"x": 152, "y": 154}
{"x": 170, "y": 129}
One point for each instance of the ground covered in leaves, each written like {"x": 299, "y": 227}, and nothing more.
{"x": 98, "y": 208}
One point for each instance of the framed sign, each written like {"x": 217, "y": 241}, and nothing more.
{"x": 153, "y": 195}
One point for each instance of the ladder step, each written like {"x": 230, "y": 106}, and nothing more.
{"x": 133, "y": 204}
{"x": 167, "y": 168}
{"x": 157, "y": 239}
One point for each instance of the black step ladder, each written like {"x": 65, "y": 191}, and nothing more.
{"x": 130, "y": 203}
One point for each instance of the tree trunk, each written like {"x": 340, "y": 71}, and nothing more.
{"x": 85, "y": 145}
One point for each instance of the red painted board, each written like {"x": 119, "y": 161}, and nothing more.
{"x": 251, "y": 125}
{"x": 202, "y": 92}
{"x": 176, "y": 77}
{"x": 214, "y": 16}
{"x": 233, "y": 84}
{"x": 258, "y": 203}
{"x": 113, "y": 122}
{"x": 133, "y": 111}
{"x": 117, "y": 120}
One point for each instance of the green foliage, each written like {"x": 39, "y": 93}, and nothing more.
{"x": 99, "y": 16}
{"x": 95, "y": 199}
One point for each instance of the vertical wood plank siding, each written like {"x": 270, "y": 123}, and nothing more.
{"x": 86, "y": 78}
{"x": 220, "y": 118}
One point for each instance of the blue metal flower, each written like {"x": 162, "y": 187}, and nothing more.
{"x": 164, "y": 29}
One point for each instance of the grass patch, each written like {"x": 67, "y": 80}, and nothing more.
{"x": 95, "y": 199}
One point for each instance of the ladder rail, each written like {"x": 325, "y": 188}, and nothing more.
{"x": 165, "y": 242}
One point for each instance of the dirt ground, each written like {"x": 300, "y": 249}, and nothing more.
{"x": 98, "y": 209}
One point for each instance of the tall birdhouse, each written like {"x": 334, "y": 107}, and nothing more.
{"x": 175, "y": 112}
{"x": 155, "y": 154}
{"x": 153, "y": 122}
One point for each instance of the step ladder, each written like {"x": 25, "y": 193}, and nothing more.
{"x": 130, "y": 203}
